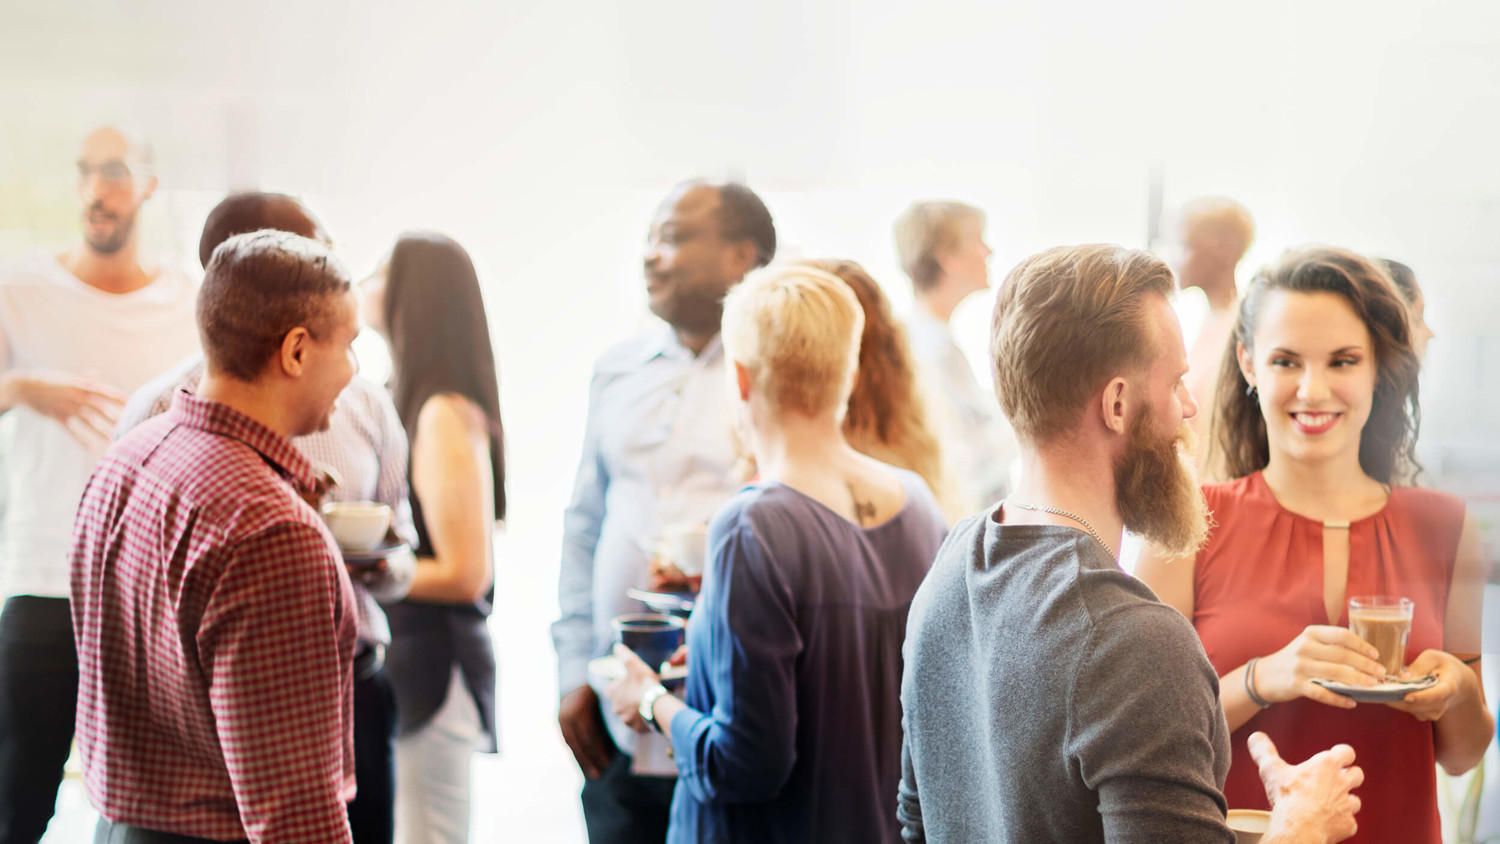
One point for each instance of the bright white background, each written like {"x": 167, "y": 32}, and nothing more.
{"x": 541, "y": 136}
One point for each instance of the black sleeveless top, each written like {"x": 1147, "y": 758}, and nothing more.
{"x": 428, "y": 639}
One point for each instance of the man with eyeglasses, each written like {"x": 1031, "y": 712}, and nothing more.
{"x": 78, "y": 332}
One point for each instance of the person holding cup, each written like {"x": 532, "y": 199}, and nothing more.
{"x": 791, "y": 728}
{"x": 361, "y": 459}
{"x": 1317, "y": 415}
{"x": 426, "y": 302}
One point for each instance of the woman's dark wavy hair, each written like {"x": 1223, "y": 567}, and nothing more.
{"x": 440, "y": 338}
{"x": 1387, "y": 443}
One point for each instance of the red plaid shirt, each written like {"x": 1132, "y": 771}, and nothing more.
{"x": 215, "y": 628}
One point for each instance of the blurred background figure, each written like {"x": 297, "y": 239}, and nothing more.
{"x": 1317, "y": 416}
{"x": 365, "y": 449}
{"x": 657, "y": 451}
{"x": 887, "y": 416}
{"x": 78, "y": 332}
{"x": 425, "y": 301}
{"x": 1416, "y": 304}
{"x": 1211, "y": 235}
{"x": 941, "y": 247}
{"x": 791, "y": 730}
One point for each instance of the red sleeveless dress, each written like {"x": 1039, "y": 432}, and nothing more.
{"x": 1259, "y": 582}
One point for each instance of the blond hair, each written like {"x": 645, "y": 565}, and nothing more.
{"x": 927, "y": 229}
{"x": 1066, "y": 321}
{"x": 1224, "y": 220}
{"x": 797, "y": 330}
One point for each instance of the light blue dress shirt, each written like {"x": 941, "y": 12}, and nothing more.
{"x": 657, "y": 449}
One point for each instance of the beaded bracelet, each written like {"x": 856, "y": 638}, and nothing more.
{"x": 1250, "y": 684}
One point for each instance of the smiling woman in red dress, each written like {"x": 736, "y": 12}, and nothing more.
{"x": 1317, "y": 414}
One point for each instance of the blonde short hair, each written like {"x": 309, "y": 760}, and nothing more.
{"x": 926, "y": 229}
{"x": 797, "y": 329}
{"x": 1066, "y": 321}
{"x": 1221, "y": 218}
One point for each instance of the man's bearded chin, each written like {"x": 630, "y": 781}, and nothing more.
{"x": 116, "y": 239}
{"x": 1156, "y": 489}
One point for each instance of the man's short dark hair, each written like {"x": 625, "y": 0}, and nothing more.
{"x": 251, "y": 211}
{"x": 745, "y": 217}
{"x": 257, "y": 288}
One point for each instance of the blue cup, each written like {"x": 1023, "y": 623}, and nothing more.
{"x": 653, "y": 637}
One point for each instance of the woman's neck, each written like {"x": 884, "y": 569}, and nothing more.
{"x": 1336, "y": 489}
{"x": 794, "y": 444}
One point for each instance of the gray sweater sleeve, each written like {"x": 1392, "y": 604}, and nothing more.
{"x": 1144, "y": 721}
{"x": 908, "y": 801}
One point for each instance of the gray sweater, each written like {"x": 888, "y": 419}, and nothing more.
{"x": 1049, "y": 696}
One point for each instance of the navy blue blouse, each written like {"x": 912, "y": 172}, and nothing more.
{"x": 793, "y": 731}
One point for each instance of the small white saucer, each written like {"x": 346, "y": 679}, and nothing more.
{"x": 609, "y": 668}
{"x": 365, "y": 557}
{"x": 1380, "y": 692}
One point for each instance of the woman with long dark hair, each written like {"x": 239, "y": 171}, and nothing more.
{"x": 1317, "y": 413}
{"x": 425, "y": 301}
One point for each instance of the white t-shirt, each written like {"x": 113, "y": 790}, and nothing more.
{"x": 52, "y": 321}
{"x": 979, "y": 447}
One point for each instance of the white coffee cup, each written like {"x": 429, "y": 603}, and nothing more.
{"x": 357, "y": 525}
{"x": 686, "y": 545}
{"x": 1248, "y": 824}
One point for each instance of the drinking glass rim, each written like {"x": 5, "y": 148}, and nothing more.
{"x": 663, "y": 622}
{"x": 1381, "y": 602}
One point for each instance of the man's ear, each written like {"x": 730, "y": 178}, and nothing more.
{"x": 944, "y": 260}
{"x": 1114, "y": 406}
{"x": 743, "y": 380}
{"x": 150, "y": 189}
{"x": 294, "y": 349}
{"x": 743, "y": 256}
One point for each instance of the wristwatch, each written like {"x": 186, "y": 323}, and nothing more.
{"x": 648, "y": 702}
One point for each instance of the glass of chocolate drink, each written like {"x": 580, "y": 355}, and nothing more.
{"x": 1385, "y": 622}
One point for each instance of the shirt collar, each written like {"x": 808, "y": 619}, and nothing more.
{"x": 923, "y": 319}
{"x": 664, "y": 343}
{"x": 225, "y": 421}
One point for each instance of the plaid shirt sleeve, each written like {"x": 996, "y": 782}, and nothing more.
{"x": 275, "y": 644}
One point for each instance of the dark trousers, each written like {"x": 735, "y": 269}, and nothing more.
{"x": 372, "y": 813}
{"x": 622, "y": 808}
{"x": 38, "y": 699}
{"x": 109, "y": 832}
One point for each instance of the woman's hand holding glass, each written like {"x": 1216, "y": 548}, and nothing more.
{"x": 1456, "y": 683}
{"x": 1319, "y": 651}
{"x": 625, "y": 693}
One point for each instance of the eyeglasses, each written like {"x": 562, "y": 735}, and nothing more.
{"x": 114, "y": 172}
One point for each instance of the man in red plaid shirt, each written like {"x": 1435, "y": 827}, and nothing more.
{"x": 214, "y": 620}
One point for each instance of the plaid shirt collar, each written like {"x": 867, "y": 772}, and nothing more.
{"x": 225, "y": 421}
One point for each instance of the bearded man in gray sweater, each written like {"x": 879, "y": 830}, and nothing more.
{"x": 1048, "y": 696}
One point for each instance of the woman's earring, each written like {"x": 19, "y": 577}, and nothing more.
{"x": 1251, "y": 391}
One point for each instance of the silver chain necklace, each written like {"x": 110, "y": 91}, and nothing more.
{"x": 1065, "y": 514}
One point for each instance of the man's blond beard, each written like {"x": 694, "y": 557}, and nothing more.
{"x": 1156, "y": 489}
